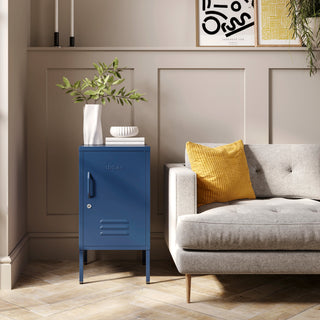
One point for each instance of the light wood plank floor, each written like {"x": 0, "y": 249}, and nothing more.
{"x": 117, "y": 290}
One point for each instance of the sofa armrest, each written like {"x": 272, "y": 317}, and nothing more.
{"x": 181, "y": 189}
{"x": 181, "y": 199}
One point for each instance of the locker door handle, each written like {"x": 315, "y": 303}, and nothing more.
{"x": 90, "y": 185}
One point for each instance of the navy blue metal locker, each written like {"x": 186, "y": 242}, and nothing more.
{"x": 114, "y": 200}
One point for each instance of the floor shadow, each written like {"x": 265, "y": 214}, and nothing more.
{"x": 37, "y": 273}
{"x": 233, "y": 288}
{"x": 269, "y": 288}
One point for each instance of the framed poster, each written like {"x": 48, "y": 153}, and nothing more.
{"x": 273, "y": 24}
{"x": 225, "y": 23}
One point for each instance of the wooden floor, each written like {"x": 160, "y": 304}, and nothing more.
{"x": 50, "y": 290}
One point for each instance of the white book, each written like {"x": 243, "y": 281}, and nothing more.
{"x": 128, "y": 139}
{"x": 132, "y": 143}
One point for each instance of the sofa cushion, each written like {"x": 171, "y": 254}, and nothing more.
{"x": 222, "y": 172}
{"x": 261, "y": 224}
{"x": 282, "y": 170}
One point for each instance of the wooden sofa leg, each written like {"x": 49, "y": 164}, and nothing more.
{"x": 188, "y": 286}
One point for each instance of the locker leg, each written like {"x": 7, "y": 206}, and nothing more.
{"x": 85, "y": 257}
{"x": 81, "y": 266}
{"x": 143, "y": 257}
{"x": 148, "y": 266}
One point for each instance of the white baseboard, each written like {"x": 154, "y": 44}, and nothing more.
{"x": 65, "y": 246}
{"x": 5, "y": 273}
{"x": 19, "y": 259}
{"x": 12, "y": 265}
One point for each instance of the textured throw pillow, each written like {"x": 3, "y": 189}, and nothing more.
{"x": 222, "y": 172}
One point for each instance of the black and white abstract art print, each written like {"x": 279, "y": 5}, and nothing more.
{"x": 226, "y": 23}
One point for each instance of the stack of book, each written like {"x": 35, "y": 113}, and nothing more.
{"x": 129, "y": 141}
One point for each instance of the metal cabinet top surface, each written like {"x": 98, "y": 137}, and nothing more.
{"x": 86, "y": 148}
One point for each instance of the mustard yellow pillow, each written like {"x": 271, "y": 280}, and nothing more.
{"x": 222, "y": 172}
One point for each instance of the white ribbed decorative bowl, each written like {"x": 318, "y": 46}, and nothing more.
{"x": 122, "y": 132}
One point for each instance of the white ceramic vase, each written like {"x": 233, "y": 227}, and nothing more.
{"x": 314, "y": 24}
{"x": 92, "y": 129}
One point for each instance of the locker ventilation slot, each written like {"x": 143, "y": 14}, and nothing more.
{"x": 114, "y": 227}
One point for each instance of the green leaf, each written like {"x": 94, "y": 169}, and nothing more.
{"x": 115, "y": 63}
{"x": 90, "y": 93}
{"x": 117, "y": 82}
{"x": 83, "y": 86}
{"x": 66, "y": 82}
{"x": 107, "y": 91}
{"x": 106, "y": 79}
{"x": 78, "y": 99}
{"x": 77, "y": 84}
{"x": 121, "y": 91}
{"x": 110, "y": 80}
{"x": 60, "y": 86}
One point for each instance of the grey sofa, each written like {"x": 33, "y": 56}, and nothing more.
{"x": 277, "y": 233}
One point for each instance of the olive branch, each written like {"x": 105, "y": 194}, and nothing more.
{"x": 102, "y": 88}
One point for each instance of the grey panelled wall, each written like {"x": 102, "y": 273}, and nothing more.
{"x": 112, "y": 23}
{"x": 196, "y": 97}
{"x": 14, "y": 35}
{"x": 294, "y": 107}
{"x": 260, "y": 95}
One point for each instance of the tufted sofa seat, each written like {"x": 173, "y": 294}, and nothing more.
{"x": 279, "y": 232}
{"x": 263, "y": 224}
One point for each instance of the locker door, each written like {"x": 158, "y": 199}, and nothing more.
{"x": 114, "y": 206}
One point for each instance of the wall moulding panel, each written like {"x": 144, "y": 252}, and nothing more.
{"x": 199, "y": 95}
{"x": 180, "y": 113}
{"x": 294, "y": 106}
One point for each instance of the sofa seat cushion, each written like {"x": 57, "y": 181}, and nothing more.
{"x": 261, "y": 224}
